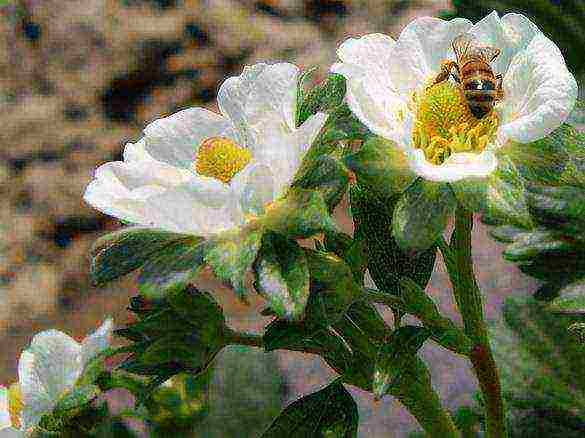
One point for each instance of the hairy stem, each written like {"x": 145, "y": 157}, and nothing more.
{"x": 468, "y": 297}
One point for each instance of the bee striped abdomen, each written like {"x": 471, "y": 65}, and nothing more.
{"x": 479, "y": 87}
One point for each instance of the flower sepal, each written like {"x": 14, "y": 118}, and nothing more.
{"x": 381, "y": 166}
{"x": 500, "y": 197}
{"x": 421, "y": 215}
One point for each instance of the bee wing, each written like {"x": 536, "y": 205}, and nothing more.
{"x": 487, "y": 53}
{"x": 463, "y": 46}
{"x": 467, "y": 46}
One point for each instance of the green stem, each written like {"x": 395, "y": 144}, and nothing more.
{"x": 249, "y": 339}
{"x": 468, "y": 297}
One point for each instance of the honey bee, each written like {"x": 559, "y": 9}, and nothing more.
{"x": 481, "y": 86}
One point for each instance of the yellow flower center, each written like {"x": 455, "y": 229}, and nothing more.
{"x": 15, "y": 404}
{"x": 221, "y": 158}
{"x": 444, "y": 124}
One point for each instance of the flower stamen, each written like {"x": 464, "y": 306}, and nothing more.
{"x": 445, "y": 125}
{"x": 221, "y": 158}
{"x": 15, "y": 404}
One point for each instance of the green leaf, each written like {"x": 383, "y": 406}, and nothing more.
{"x": 297, "y": 336}
{"x": 231, "y": 257}
{"x": 354, "y": 252}
{"x": 124, "y": 251}
{"x": 500, "y": 197}
{"x": 577, "y": 116}
{"x": 527, "y": 246}
{"x": 326, "y": 175}
{"x": 545, "y": 161}
{"x": 396, "y": 355}
{"x": 282, "y": 276}
{"x": 387, "y": 263}
{"x": 301, "y": 214}
{"x": 541, "y": 366}
{"x": 571, "y": 300}
{"x": 200, "y": 310}
{"x": 172, "y": 268}
{"x": 421, "y": 215}
{"x": 304, "y": 77}
{"x": 442, "y": 329}
{"x": 330, "y": 412}
{"x": 325, "y": 97}
{"x": 381, "y": 166}
{"x": 76, "y": 400}
{"x": 561, "y": 208}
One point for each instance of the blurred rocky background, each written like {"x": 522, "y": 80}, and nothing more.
{"x": 80, "y": 78}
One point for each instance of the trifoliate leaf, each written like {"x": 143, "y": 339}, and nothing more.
{"x": 121, "y": 252}
{"x": 282, "y": 276}
{"x": 330, "y": 412}
{"x": 396, "y": 355}
{"x": 302, "y": 214}
{"x": 231, "y": 257}
{"x": 172, "y": 268}
{"x": 421, "y": 215}
{"x": 381, "y": 166}
{"x": 387, "y": 263}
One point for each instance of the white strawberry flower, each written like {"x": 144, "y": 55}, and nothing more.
{"x": 202, "y": 173}
{"x": 387, "y": 84}
{"x": 47, "y": 370}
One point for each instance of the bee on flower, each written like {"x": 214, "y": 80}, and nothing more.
{"x": 402, "y": 92}
{"x": 47, "y": 371}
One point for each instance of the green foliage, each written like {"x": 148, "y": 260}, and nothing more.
{"x": 441, "y": 329}
{"x": 124, "y": 251}
{"x": 282, "y": 276}
{"x": 302, "y": 214}
{"x": 397, "y": 355}
{"x": 231, "y": 256}
{"x": 500, "y": 197}
{"x": 330, "y": 413}
{"x": 325, "y": 97}
{"x": 541, "y": 367}
{"x": 184, "y": 332}
{"x": 381, "y": 166}
{"x": 421, "y": 214}
{"x": 387, "y": 263}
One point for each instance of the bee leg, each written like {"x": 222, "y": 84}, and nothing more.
{"x": 446, "y": 67}
{"x": 499, "y": 87}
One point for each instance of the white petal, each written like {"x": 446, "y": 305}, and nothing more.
{"x": 373, "y": 99}
{"x": 255, "y": 188}
{"x": 97, "y": 342}
{"x": 539, "y": 93}
{"x": 136, "y": 152}
{"x": 48, "y": 368}
{"x": 262, "y": 97}
{"x": 4, "y": 413}
{"x": 371, "y": 52}
{"x": 11, "y": 432}
{"x": 175, "y": 139}
{"x": 421, "y": 48}
{"x": 458, "y": 166}
{"x": 195, "y": 208}
{"x": 511, "y": 34}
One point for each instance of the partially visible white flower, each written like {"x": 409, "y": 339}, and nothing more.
{"x": 47, "y": 370}
{"x": 386, "y": 90}
{"x": 200, "y": 172}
